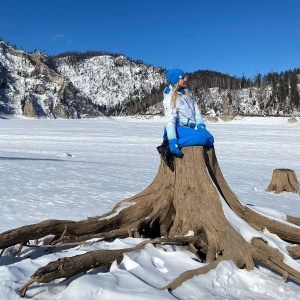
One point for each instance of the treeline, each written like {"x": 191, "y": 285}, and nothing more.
{"x": 205, "y": 79}
{"x": 284, "y": 88}
{"x": 74, "y": 57}
{"x": 139, "y": 107}
{"x": 284, "y": 96}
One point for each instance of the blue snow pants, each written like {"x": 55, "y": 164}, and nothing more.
{"x": 187, "y": 136}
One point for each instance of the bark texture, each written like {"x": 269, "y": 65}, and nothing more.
{"x": 193, "y": 198}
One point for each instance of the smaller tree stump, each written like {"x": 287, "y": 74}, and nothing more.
{"x": 283, "y": 180}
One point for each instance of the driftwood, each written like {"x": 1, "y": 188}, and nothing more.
{"x": 191, "y": 198}
{"x": 283, "y": 180}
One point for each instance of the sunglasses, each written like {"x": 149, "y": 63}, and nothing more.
{"x": 183, "y": 77}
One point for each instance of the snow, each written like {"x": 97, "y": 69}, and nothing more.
{"x": 74, "y": 169}
{"x": 109, "y": 80}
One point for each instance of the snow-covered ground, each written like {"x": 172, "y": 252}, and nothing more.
{"x": 73, "y": 169}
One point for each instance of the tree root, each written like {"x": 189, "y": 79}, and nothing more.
{"x": 285, "y": 231}
{"x": 273, "y": 258}
{"x": 180, "y": 206}
{"x": 294, "y": 251}
{"x": 260, "y": 252}
{"x": 70, "y": 266}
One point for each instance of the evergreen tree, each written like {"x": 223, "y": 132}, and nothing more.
{"x": 294, "y": 93}
{"x": 257, "y": 80}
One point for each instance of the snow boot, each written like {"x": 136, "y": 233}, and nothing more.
{"x": 166, "y": 154}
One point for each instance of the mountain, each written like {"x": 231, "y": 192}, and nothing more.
{"x": 91, "y": 84}
{"x": 73, "y": 86}
{"x": 114, "y": 83}
{"x": 29, "y": 87}
{"x": 274, "y": 94}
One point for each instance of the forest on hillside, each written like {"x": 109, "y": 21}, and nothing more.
{"x": 273, "y": 93}
{"x": 284, "y": 95}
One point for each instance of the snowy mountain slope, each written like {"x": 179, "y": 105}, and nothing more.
{"x": 35, "y": 85}
{"x": 110, "y": 80}
{"x": 29, "y": 87}
{"x": 248, "y": 101}
{"x": 77, "y": 85}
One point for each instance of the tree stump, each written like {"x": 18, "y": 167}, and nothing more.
{"x": 283, "y": 180}
{"x": 190, "y": 205}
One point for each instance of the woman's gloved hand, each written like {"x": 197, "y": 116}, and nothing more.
{"x": 174, "y": 148}
{"x": 201, "y": 126}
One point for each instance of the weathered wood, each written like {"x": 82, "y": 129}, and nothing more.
{"x": 189, "y": 199}
{"x": 283, "y": 180}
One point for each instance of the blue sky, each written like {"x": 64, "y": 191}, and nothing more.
{"x": 236, "y": 37}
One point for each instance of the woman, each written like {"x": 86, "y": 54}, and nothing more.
{"x": 184, "y": 123}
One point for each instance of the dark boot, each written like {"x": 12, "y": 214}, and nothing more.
{"x": 165, "y": 153}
